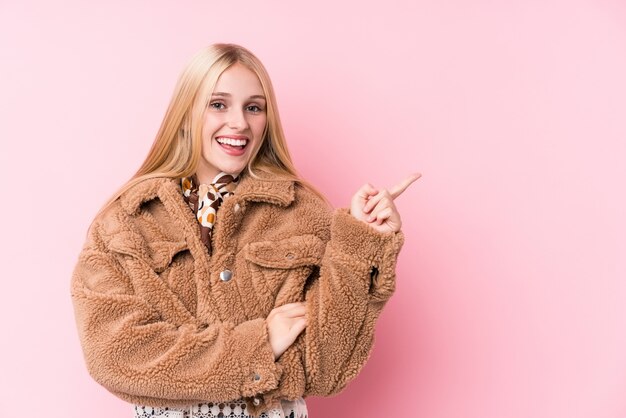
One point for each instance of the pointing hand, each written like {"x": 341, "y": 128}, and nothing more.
{"x": 376, "y": 208}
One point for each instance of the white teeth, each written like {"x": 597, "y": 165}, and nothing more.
{"x": 233, "y": 142}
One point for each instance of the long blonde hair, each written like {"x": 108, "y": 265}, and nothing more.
{"x": 177, "y": 148}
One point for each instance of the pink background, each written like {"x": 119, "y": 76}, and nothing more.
{"x": 511, "y": 286}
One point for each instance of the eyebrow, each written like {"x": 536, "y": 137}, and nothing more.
{"x": 256, "y": 96}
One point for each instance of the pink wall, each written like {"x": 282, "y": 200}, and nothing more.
{"x": 511, "y": 286}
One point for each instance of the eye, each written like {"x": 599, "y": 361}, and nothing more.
{"x": 254, "y": 109}
{"x": 217, "y": 105}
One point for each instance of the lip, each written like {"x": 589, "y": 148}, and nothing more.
{"x": 234, "y": 152}
{"x": 233, "y": 137}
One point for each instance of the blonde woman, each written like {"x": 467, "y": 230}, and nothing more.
{"x": 217, "y": 282}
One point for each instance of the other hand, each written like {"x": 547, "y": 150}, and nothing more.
{"x": 284, "y": 324}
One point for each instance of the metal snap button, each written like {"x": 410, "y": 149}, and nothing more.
{"x": 256, "y": 401}
{"x": 226, "y": 275}
{"x": 290, "y": 256}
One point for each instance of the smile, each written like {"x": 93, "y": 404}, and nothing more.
{"x": 235, "y": 142}
{"x": 233, "y": 146}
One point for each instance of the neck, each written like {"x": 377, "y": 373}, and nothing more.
{"x": 205, "y": 176}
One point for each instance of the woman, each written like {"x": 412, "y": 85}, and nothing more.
{"x": 200, "y": 275}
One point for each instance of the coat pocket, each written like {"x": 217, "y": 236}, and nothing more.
{"x": 287, "y": 253}
{"x": 158, "y": 254}
{"x": 161, "y": 272}
{"x": 279, "y": 268}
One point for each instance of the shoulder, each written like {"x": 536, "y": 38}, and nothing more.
{"x": 308, "y": 213}
{"x": 305, "y": 197}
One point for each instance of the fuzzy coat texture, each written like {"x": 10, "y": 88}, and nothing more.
{"x": 159, "y": 327}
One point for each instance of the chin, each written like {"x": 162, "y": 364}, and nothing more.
{"x": 233, "y": 169}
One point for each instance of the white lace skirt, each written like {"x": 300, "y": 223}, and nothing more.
{"x": 234, "y": 409}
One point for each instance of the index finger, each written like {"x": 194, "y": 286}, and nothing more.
{"x": 289, "y": 306}
{"x": 401, "y": 187}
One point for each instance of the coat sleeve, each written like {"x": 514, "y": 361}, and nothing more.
{"x": 132, "y": 351}
{"x": 345, "y": 297}
{"x": 356, "y": 279}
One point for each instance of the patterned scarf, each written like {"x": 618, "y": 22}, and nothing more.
{"x": 204, "y": 200}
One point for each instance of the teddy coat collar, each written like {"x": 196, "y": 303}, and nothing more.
{"x": 279, "y": 191}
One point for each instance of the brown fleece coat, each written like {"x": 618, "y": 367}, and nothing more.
{"x": 159, "y": 327}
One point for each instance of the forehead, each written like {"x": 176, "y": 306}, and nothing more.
{"x": 239, "y": 80}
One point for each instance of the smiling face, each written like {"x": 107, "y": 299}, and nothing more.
{"x": 234, "y": 123}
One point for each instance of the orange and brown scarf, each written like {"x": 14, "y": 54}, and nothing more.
{"x": 205, "y": 199}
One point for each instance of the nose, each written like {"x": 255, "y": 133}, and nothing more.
{"x": 237, "y": 120}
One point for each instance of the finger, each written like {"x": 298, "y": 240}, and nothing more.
{"x": 366, "y": 191}
{"x": 289, "y": 306}
{"x": 371, "y": 204}
{"x": 297, "y": 327}
{"x": 295, "y": 312}
{"x": 401, "y": 187}
{"x": 384, "y": 202}
{"x": 284, "y": 308}
{"x": 382, "y": 215}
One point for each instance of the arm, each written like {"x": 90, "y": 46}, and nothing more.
{"x": 356, "y": 278}
{"x": 134, "y": 353}
{"x": 344, "y": 299}
{"x": 343, "y": 302}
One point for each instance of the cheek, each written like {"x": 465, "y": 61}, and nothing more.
{"x": 210, "y": 126}
{"x": 259, "y": 126}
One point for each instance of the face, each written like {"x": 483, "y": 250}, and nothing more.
{"x": 233, "y": 125}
